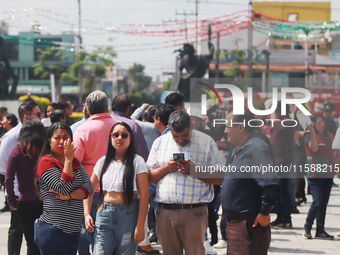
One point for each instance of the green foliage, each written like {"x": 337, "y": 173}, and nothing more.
{"x": 42, "y": 102}
{"x": 141, "y": 80}
{"x": 94, "y": 63}
{"x": 167, "y": 84}
{"x": 45, "y": 67}
{"x": 239, "y": 58}
{"x": 139, "y": 98}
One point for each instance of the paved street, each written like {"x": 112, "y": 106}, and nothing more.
{"x": 283, "y": 241}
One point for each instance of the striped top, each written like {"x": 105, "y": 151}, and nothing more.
{"x": 63, "y": 214}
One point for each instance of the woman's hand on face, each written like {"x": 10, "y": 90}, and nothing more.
{"x": 69, "y": 149}
{"x": 139, "y": 235}
{"x": 89, "y": 224}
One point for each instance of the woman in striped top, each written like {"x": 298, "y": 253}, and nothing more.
{"x": 63, "y": 184}
{"x": 122, "y": 177}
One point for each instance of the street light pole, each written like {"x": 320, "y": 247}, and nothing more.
{"x": 250, "y": 45}
{"x": 80, "y": 97}
{"x": 306, "y": 60}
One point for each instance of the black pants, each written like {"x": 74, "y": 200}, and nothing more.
{"x": 14, "y": 234}
{"x": 300, "y": 188}
{"x": 28, "y": 212}
{"x": 212, "y": 216}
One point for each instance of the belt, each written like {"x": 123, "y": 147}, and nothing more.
{"x": 180, "y": 206}
{"x": 240, "y": 216}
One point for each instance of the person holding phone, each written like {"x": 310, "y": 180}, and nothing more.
{"x": 182, "y": 214}
{"x": 318, "y": 144}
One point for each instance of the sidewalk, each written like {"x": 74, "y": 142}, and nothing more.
{"x": 283, "y": 241}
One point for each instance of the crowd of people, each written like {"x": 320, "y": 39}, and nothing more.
{"x": 116, "y": 181}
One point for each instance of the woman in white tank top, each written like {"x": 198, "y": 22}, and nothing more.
{"x": 122, "y": 177}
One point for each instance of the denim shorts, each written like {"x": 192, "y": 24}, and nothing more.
{"x": 115, "y": 227}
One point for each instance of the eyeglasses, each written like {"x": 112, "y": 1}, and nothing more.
{"x": 36, "y": 113}
{"x": 123, "y": 135}
{"x": 154, "y": 117}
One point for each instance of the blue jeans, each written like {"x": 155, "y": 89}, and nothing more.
{"x": 53, "y": 241}
{"x": 114, "y": 229}
{"x": 284, "y": 205}
{"x": 88, "y": 237}
{"x": 320, "y": 189}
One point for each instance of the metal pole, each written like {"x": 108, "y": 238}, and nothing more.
{"x": 80, "y": 86}
{"x": 250, "y": 45}
{"x": 267, "y": 74}
{"x": 306, "y": 60}
{"x": 196, "y": 24}
{"x": 217, "y": 56}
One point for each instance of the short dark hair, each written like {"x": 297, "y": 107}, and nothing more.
{"x": 179, "y": 121}
{"x": 163, "y": 112}
{"x": 63, "y": 104}
{"x": 3, "y": 109}
{"x": 56, "y": 115}
{"x": 245, "y": 118}
{"x": 151, "y": 113}
{"x": 175, "y": 99}
{"x": 26, "y": 108}
{"x": 120, "y": 103}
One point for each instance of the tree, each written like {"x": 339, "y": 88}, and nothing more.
{"x": 141, "y": 80}
{"x": 236, "y": 72}
{"x": 50, "y": 62}
{"x": 167, "y": 84}
{"x": 92, "y": 64}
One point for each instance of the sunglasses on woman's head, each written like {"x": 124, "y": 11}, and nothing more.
{"x": 123, "y": 135}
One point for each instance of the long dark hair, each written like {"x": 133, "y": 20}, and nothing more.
{"x": 314, "y": 118}
{"x": 47, "y": 147}
{"x": 12, "y": 118}
{"x": 31, "y": 138}
{"x": 54, "y": 105}
{"x": 129, "y": 170}
{"x": 58, "y": 125}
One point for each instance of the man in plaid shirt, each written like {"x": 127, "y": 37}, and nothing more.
{"x": 182, "y": 214}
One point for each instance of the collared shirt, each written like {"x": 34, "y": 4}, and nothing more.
{"x": 176, "y": 188}
{"x": 140, "y": 143}
{"x": 91, "y": 140}
{"x": 166, "y": 131}
{"x": 8, "y": 141}
{"x": 77, "y": 124}
{"x": 149, "y": 130}
{"x": 257, "y": 193}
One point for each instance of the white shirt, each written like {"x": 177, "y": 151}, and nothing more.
{"x": 336, "y": 141}
{"x": 8, "y": 141}
{"x": 113, "y": 177}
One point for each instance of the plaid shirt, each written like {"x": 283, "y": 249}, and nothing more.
{"x": 176, "y": 188}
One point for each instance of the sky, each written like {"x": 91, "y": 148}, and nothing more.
{"x": 106, "y": 15}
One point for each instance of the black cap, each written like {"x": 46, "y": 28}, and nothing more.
{"x": 329, "y": 107}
